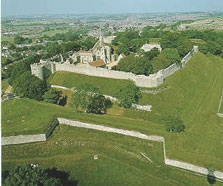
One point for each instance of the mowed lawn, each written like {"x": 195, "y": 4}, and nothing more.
{"x": 119, "y": 160}
{"x": 106, "y": 85}
{"x": 191, "y": 93}
{"x": 26, "y": 116}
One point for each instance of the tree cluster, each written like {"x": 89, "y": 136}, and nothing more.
{"x": 21, "y": 40}
{"x": 173, "y": 124}
{"x": 178, "y": 41}
{"x": 128, "y": 95}
{"x": 35, "y": 175}
{"x": 136, "y": 65}
{"x": 89, "y": 99}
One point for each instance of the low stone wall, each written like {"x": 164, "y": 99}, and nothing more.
{"x": 73, "y": 123}
{"x": 219, "y": 106}
{"x": 11, "y": 140}
{"x": 194, "y": 168}
{"x": 20, "y": 139}
{"x": 174, "y": 163}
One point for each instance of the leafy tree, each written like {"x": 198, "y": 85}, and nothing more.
{"x": 171, "y": 54}
{"x": 169, "y": 40}
{"x": 88, "y": 43}
{"x": 174, "y": 124}
{"x": 136, "y": 65}
{"x": 52, "y": 96}
{"x": 128, "y": 95}
{"x": 6, "y": 61}
{"x": 97, "y": 104}
{"x": 184, "y": 45}
{"x": 143, "y": 66}
{"x": 27, "y": 85}
{"x": 16, "y": 70}
{"x": 214, "y": 48}
{"x": 123, "y": 49}
{"x": 152, "y": 53}
{"x": 160, "y": 62}
{"x": 19, "y": 39}
{"x": 29, "y": 175}
{"x": 203, "y": 48}
{"x": 135, "y": 44}
{"x": 53, "y": 49}
{"x": 82, "y": 96}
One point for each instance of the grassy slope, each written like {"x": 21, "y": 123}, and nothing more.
{"x": 34, "y": 117}
{"x": 120, "y": 163}
{"x": 106, "y": 85}
{"x": 193, "y": 93}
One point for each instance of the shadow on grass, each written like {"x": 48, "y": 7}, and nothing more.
{"x": 63, "y": 101}
{"x": 63, "y": 176}
{"x": 211, "y": 177}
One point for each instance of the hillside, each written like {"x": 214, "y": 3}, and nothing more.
{"x": 192, "y": 93}
{"x": 106, "y": 85}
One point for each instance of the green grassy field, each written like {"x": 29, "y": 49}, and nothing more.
{"x": 119, "y": 161}
{"x": 34, "y": 117}
{"x": 192, "y": 93}
{"x": 106, "y": 85}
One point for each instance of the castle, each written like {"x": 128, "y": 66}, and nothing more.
{"x": 99, "y": 52}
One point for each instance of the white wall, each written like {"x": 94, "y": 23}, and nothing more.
{"x": 153, "y": 80}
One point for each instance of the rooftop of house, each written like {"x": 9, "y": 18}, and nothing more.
{"x": 97, "y": 63}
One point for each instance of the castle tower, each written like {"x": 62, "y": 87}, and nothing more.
{"x": 37, "y": 70}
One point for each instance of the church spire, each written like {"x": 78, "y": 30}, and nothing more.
{"x": 101, "y": 37}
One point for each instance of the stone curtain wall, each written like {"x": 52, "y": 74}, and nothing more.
{"x": 174, "y": 163}
{"x": 20, "y": 139}
{"x": 153, "y": 80}
{"x": 169, "y": 70}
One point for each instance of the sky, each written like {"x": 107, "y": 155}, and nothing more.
{"x": 31, "y": 7}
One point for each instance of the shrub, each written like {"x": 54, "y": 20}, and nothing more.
{"x": 128, "y": 95}
{"x": 52, "y": 96}
{"x": 174, "y": 124}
